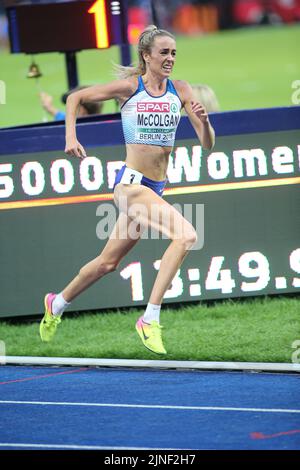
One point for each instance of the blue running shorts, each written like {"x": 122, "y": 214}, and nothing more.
{"x": 128, "y": 176}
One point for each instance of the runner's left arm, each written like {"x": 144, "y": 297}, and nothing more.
{"x": 197, "y": 115}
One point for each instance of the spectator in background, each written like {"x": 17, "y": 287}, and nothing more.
{"x": 256, "y": 12}
{"x": 3, "y": 30}
{"x": 85, "y": 109}
{"x": 206, "y": 96}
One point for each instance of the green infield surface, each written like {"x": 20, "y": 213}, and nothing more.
{"x": 247, "y": 68}
{"x": 252, "y": 330}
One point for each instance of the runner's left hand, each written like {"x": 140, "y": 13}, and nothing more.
{"x": 200, "y": 111}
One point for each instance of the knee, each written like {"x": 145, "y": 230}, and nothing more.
{"x": 95, "y": 270}
{"x": 189, "y": 238}
{"x": 106, "y": 268}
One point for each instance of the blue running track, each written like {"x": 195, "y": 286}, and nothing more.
{"x": 93, "y": 408}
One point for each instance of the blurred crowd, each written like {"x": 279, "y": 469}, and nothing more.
{"x": 204, "y": 16}
{"x": 196, "y": 16}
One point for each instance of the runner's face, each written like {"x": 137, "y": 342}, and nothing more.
{"x": 162, "y": 57}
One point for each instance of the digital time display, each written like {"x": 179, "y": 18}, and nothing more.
{"x": 55, "y": 211}
{"x": 253, "y": 267}
{"x": 66, "y": 26}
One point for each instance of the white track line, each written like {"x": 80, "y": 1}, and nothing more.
{"x": 152, "y": 407}
{"x": 152, "y": 364}
{"x": 77, "y": 447}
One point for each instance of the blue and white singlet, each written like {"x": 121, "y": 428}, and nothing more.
{"x": 152, "y": 120}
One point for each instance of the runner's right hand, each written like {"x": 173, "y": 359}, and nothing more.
{"x": 74, "y": 148}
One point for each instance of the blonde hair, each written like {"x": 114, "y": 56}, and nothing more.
{"x": 145, "y": 44}
{"x": 207, "y": 97}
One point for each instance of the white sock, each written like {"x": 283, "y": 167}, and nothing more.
{"x": 59, "y": 305}
{"x": 152, "y": 313}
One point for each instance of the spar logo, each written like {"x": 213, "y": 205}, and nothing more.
{"x": 150, "y": 107}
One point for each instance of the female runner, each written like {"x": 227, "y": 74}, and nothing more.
{"x": 150, "y": 108}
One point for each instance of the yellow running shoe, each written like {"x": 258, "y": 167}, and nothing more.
{"x": 150, "y": 334}
{"x": 49, "y": 322}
